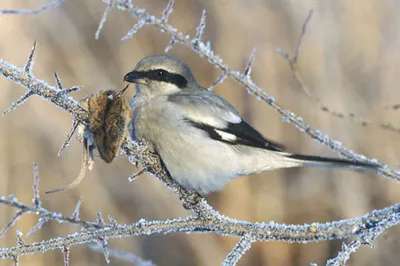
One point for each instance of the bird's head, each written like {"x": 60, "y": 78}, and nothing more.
{"x": 160, "y": 75}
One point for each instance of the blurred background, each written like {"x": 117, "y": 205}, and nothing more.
{"x": 349, "y": 59}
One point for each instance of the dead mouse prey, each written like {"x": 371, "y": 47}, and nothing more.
{"x": 109, "y": 119}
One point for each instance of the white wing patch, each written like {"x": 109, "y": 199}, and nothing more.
{"x": 218, "y": 121}
{"x": 225, "y": 136}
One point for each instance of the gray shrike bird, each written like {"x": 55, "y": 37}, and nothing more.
{"x": 201, "y": 138}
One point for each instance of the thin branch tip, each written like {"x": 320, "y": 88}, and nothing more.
{"x": 247, "y": 69}
{"x": 167, "y": 11}
{"x": 200, "y": 29}
{"x": 67, "y": 139}
{"x": 30, "y": 62}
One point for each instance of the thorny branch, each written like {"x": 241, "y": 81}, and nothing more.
{"x": 206, "y": 219}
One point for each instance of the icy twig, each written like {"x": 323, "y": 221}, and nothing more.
{"x": 200, "y": 29}
{"x": 239, "y": 250}
{"x": 53, "y": 4}
{"x": 247, "y": 69}
{"x": 67, "y": 139}
{"x": 103, "y": 20}
{"x": 218, "y": 81}
{"x": 75, "y": 214}
{"x": 65, "y": 252}
{"x": 10, "y": 224}
{"x": 36, "y": 194}
{"x": 167, "y": 11}
{"x": 364, "y": 240}
{"x": 63, "y": 90}
{"x": 124, "y": 256}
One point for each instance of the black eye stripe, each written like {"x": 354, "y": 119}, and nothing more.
{"x": 163, "y": 75}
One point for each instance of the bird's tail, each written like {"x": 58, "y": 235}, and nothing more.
{"x": 317, "y": 161}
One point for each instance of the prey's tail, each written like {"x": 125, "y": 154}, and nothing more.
{"x": 317, "y": 161}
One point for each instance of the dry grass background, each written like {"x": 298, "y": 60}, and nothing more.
{"x": 350, "y": 59}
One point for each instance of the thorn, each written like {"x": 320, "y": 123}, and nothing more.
{"x": 67, "y": 139}
{"x": 247, "y": 69}
{"x": 72, "y": 89}
{"x": 105, "y": 250}
{"x": 113, "y": 221}
{"x": 29, "y": 64}
{"x": 218, "y": 81}
{"x": 134, "y": 30}
{"x": 99, "y": 218}
{"x": 366, "y": 243}
{"x": 119, "y": 93}
{"x": 58, "y": 81}
{"x": 20, "y": 241}
{"x": 103, "y": 240}
{"x": 200, "y": 28}
{"x": 36, "y": 195}
{"x": 171, "y": 44}
{"x": 21, "y": 100}
{"x": 63, "y": 91}
{"x": 134, "y": 176}
{"x": 167, "y": 11}
{"x": 75, "y": 214}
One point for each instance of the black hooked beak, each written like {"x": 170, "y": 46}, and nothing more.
{"x": 134, "y": 77}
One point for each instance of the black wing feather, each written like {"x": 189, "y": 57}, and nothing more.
{"x": 244, "y": 133}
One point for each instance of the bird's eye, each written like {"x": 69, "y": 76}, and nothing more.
{"x": 161, "y": 72}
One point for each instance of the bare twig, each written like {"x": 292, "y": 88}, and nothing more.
{"x": 65, "y": 252}
{"x": 239, "y": 250}
{"x": 122, "y": 255}
{"x": 36, "y": 193}
{"x": 63, "y": 90}
{"x": 53, "y": 4}
{"x": 218, "y": 81}
{"x": 10, "y": 224}
{"x": 247, "y": 69}
{"x": 75, "y": 214}
{"x": 167, "y": 11}
{"x": 364, "y": 239}
{"x": 103, "y": 20}
{"x": 200, "y": 29}
{"x": 67, "y": 139}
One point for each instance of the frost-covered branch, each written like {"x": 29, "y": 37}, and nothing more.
{"x": 220, "y": 225}
{"x": 52, "y": 4}
{"x": 206, "y": 220}
{"x": 364, "y": 239}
